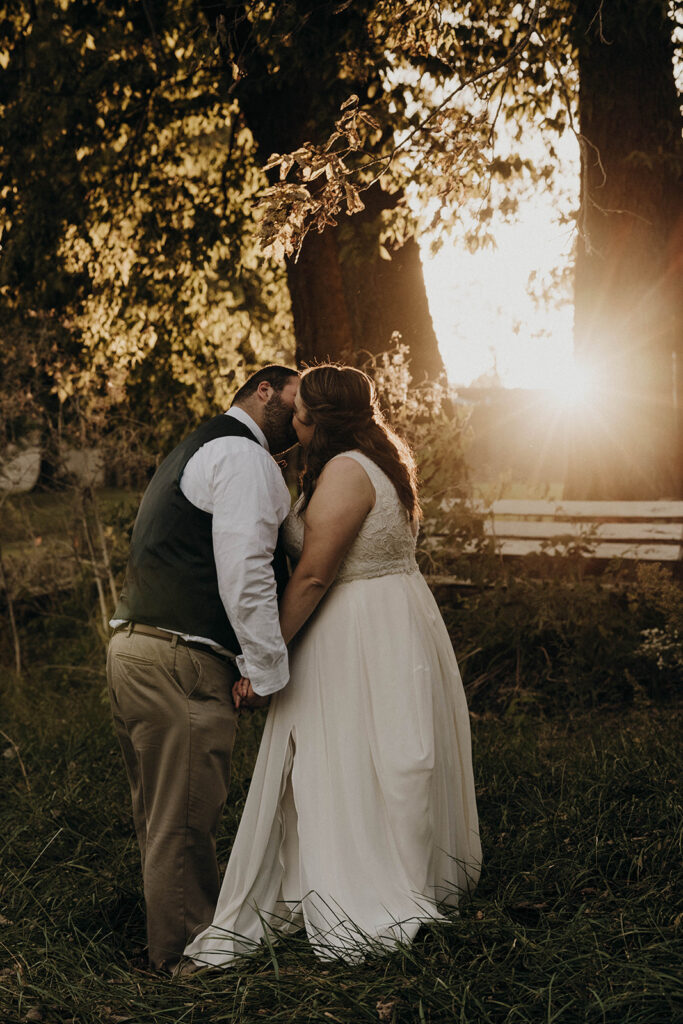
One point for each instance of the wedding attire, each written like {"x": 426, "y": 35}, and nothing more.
{"x": 197, "y": 610}
{"x": 361, "y": 817}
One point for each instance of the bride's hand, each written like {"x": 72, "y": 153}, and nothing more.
{"x": 243, "y": 694}
{"x": 240, "y": 690}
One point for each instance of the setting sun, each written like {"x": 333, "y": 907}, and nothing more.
{"x": 573, "y": 387}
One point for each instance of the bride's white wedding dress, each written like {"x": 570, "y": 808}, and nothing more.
{"x": 361, "y": 816}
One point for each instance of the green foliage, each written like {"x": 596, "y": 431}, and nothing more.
{"x": 659, "y": 601}
{"x": 131, "y": 154}
{"x": 126, "y": 187}
{"x": 547, "y": 637}
{"x": 452, "y": 530}
{"x": 130, "y": 169}
{"x": 50, "y": 395}
{"x": 659, "y": 593}
{"x": 130, "y": 166}
{"x": 429, "y": 87}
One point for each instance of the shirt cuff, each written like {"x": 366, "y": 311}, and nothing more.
{"x": 265, "y": 681}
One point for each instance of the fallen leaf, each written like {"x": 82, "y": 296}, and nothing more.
{"x": 385, "y": 1008}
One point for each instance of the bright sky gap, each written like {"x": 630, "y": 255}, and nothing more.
{"x": 485, "y": 318}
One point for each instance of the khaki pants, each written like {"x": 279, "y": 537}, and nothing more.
{"x": 176, "y": 722}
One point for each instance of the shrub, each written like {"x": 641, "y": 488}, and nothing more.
{"x": 658, "y": 600}
{"x": 567, "y": 641}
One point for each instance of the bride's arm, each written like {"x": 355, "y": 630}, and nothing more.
{"x": 341, "y": 501}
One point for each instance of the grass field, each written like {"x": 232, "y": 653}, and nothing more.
{"x": 575, "y": 918}
{"x": 49, "y": 513}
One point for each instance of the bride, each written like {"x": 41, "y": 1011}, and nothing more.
{"x": 361, "y": 821}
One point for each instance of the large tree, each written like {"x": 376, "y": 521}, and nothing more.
{"x": 603, "y": 68}
{"x": 130, "y": 171}
{"x": 291, "y": 67}
{"x": 129, "y": 175}
{"x": 629, "y": 262}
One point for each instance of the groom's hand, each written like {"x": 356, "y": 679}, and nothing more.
{"x": 243, "y": 694}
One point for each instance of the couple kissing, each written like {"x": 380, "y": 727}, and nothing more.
{"x": 360, "y": 822}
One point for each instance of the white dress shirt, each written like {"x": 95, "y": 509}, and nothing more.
{"x": 241, "y": 486}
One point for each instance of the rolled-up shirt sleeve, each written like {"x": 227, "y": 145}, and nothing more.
{"x": 250, "y": 501}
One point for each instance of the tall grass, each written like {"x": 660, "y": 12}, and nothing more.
{"x": 575, "y": 918}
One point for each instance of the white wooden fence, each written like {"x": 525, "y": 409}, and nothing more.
{"x": 634, "y": 530}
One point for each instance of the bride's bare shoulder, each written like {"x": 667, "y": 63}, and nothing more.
{"x": 344, "y": 475}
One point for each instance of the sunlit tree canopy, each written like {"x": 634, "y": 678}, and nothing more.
{"x": 157, "y": 155}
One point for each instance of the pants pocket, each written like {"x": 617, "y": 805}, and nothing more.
{"x": 135, "y": 659}
{"x": 188, "y": 671}
{"x": 214, "y": 679}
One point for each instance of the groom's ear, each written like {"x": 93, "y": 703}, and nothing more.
{"x": 264, "y": 390}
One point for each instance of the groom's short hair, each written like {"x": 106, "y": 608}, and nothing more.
{"x": 275, "y": 375}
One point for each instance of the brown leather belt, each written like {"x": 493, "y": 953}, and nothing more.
{"x": 163, "y": 634}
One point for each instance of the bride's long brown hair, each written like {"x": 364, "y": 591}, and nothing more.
{"x": 341, "y": 404}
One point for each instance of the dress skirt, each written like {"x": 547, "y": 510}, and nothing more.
{"x": 361, "y": 820}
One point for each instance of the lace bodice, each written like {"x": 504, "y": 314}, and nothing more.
{"x": 385, "y": 544}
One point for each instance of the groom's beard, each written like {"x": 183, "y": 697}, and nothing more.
{"x": 277, "y": 425}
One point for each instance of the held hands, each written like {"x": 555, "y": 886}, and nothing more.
{"x": 244, "y": 696}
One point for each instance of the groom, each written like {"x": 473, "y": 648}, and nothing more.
{"x": 199, "y": 610}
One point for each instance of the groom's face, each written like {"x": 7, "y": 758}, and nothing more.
{"x": 277, "y": 417}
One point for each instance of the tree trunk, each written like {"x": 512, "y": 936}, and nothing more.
{"x": 346, "y": 299}
{"x": 628, "y": 284}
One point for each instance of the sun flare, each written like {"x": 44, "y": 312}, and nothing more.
{"x": 573, "y": 387}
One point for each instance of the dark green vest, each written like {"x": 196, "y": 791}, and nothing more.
{"x": 171, "y": 579}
